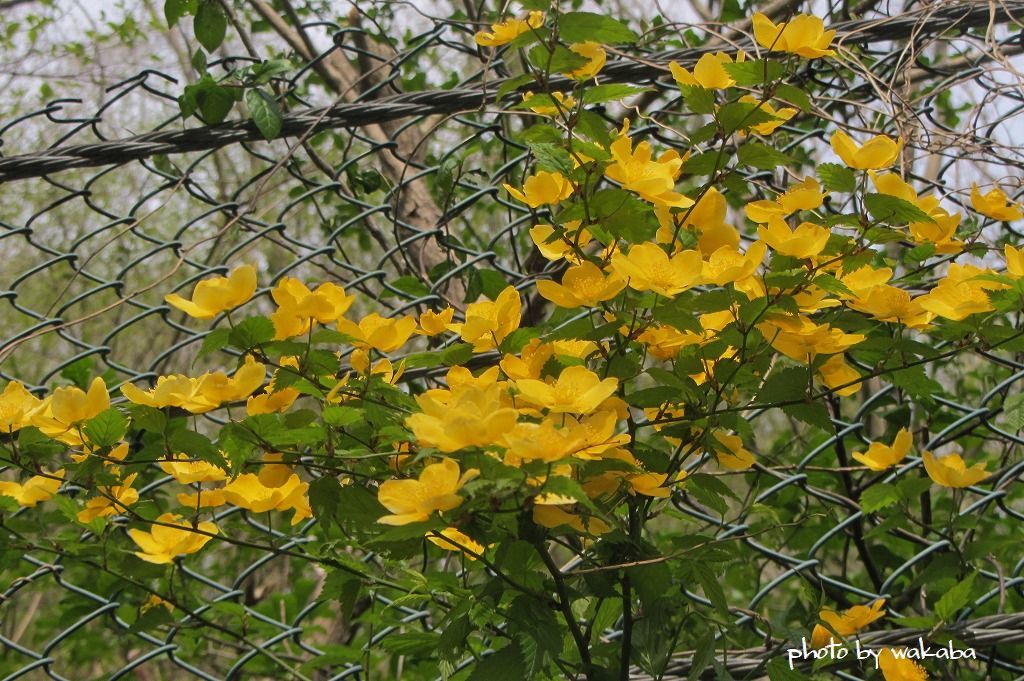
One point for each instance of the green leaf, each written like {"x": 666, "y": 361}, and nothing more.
{"x": 324, "y": 494}
{"x": 707, "y": 163}
{"x": 708, "y": 580}
{"x": 410, "y": 285}
{"x": 811, "y": 413}
{"x": 578, "y": 27}
{"x": 107, "y": 428}
{"x": 176, "y": 9}
{"x": 762, "y": 157}
{"x": 754, "y": 72}
{"x": 698, "y": 100}
{"x": 879, "y": 496}
{"x": 551, "y": 157}
{"x": 505, "y": 665}
{"x": 252, "y": 331}
{"x": 837, "y": 178}
{"x": 559, "y": 60}
{"x": 411, "y": 643}
{"x": 916, "y": 382}
{"x": 955, "y": 599}
{"x": 210, "y": 24}
{"x": 79, "y": 372}
{"x": 342, "y": 416}
{"x": 1013, "y": 411}
{"x": 832, "y": 285}
{"x": 894, "y": 211}
{"x": 512, "y": 84}
{"x": 264, "y": 112}
{"x": 214, "y": 341}
{"x": 784, "y": 384}
{"x": 196, "y": 446}
{"x": 611, "y": 92}
{"x": 793, "y": 95}
{"x": 741, "y": 116}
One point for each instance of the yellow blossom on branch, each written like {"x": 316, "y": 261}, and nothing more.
{"x": 217, "y": 294}
{"x": 384, "y": 334}
{"x": 994, "y": 204}
{"x": 878, "y": 152}
{"x": 647, "y": 267}
{"x": 413, "y": 501}
{"x": 452, "y": 539}
{"x": 543, "y": 189}
{"x": 951, "y": 471}
{"x": 577, "y": 390}
{"x": 804, "y": 35}
{"x": 847, "y": 622}
{"x": 35, "y": 489}
{"x": 112, "y": 500}
{"x": 806, "y": 241}
{"x": 16, "y": 407}
{"x": 490, "y": 322}
{"x": 435, "y": 323}
{"x": 880, "y": 457}
{"x": 592, "y": 51}
{"x": 506, "y": 31}
{"x": 709, "y": 71}
{"x": 637, "y": 172}
{"x": 171, "y": 537}
{"x": 582, "y": 285}
{"x": 900, "y": 667}
{"x": 299, "y": 308}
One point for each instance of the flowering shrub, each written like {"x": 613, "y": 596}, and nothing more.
{"x": 521, "y": 474}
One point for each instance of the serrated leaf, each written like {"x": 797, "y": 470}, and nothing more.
{"x": 879, "y": 496}
{"x": 698, "y": 99}
{"x": 610, "y": 92}
{"x": 837, "y": 178}
{"x": 210, "y": 24}
{"x": 558, "y": 60}
{"x": 811, "y": 413}
{"x": 264, "y": 112}
{"x": 107, "y": 428}
{"x": 793, "y": 95}
{"x": 708, "y": 580}
{"x": 893, "y": 210}
{"x": 741, "y": 116}
{"x": 251, "y": 332}
{"x": 705, "y": 164}
{"x": 753, "y": 72}
{"x": 955, "y": 599}
{"x": 1013, "y": 411}
{"x": 176, "y": 9}
{"x": 762, "y": 157}
{"x": 214, "y": 341}
{"x": 578, "y": 27}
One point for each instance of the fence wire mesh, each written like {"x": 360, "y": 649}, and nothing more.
{"x": 387, "y": 179}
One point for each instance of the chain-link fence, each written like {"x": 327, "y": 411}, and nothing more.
{"x": 390, "y": 184}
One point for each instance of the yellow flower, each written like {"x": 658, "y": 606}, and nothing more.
{"x": 470, "y": 416}
{"x": 801, "y": 339}
{"x": 249, "y": 492}
{"x": 171, "y": 538}
{"x": 846, "y": 623}
{"x": 806, "y": 241}
{"x": 649, "y": 484}
{"x": 863, "y": 279}
{"x": 550, "y": 512}
{"x": 955, "y": 300}
{"x": 413, "y": 501}
{"x": 805, "y": 195}
{"x": 186, "y": 471}
{"x": 273, "y": 473}
{"x": 731, "y": 454}
{"x": 727, "y": 265}
{"x": 664, "y": 342}
{"x": 490, "y": 322}
{"x": 451, "y": 539}
{"x": 35, "y": 489}
{"x": 201, "y": 394}
{"x": 768, "y": 127}
{"x": 562, "y": 103}
{"x": 583, "y": 285}
{"x": 535, "y": 354}
{"x": 563, "y": 246}
{"x": 994, "y": 204}
{"x": 154, "y": 601}
{"x": 542, "y": 189}
{"x": 951, "y": 471}
{"x": 544, "y": 441}
{"x": 273, "y": 402}
{"x": 900, "y": 668}
{"x": 508, "y": 30}
{"x": 1014, "y": 263}
{"x": 879, "y": 457}
{"x": 16, "y": 407}
{"x": 66, "y": 408}
{"x": 578, "y": 390}
{"x": 435, "y": 323}
{"x": 890, "y": 304}
{"x": 943, "y": 226}
{"x": 592, "y": 51}
{"x": 112, "y": 500}
{"x": 384, "y": 334}
{"x": 878, "y": 152}
{"x": 217, "y": 294}
{"x": 637, "y": 172}
{"x": 836, "y": 372}
{"x": 648, "y": 268}
{"x": 709, "y": 71}
{"x": 299, "y": 308}
{"x": 804, "y": 35}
